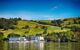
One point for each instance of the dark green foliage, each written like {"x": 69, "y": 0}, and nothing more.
{"x": 43, "y": 23}
{"x": 43, "y": 27}
{"x": 12, "y": 27}
{"x": 15, "y": 19}
{"x": 62, "y": 28}
{"x": 45, "y": 30}
{"x": 1, "y": 35}
{"x": 26, "y": 27}
{"x": 75, "y": 29}
{"x": 60, "y": 35}
{"x": 38, "y": 34}
{"x": 57, "y": 22}
{"x": 24, "y": 36}
{"x": 13, "y": 35}
{"x": 36, "y": 26}
{"x": 8, "y": 23}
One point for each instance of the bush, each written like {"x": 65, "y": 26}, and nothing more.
{"x": 1, "y": 35}
{"x": 26, "y": 27}
{"x": 13, "y": 35}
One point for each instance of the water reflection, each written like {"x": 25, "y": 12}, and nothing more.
{"x": 1, "y": 45}
{"x": 38, "y": 46}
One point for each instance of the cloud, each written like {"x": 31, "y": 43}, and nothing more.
{"x": 55, "y": 7}
{"x": 51, "y": 19}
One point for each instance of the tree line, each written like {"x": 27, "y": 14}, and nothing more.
{"x": 8, "y": 23}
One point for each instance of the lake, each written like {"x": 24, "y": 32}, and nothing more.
{"x": 39, "y": 46}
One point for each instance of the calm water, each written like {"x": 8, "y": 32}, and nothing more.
{"x": 38, "y": 46}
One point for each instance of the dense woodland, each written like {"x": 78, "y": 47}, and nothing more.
{"x": 65, "y": 29}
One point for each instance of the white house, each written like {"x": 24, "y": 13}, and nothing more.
{"x": 40, "y": 38}
{"x": 14, "y": 39}
{"x": 37, "y": 38}
{"x": 17, "y": 39}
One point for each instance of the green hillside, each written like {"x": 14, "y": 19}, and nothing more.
{"x": 69, "y": 28}
{"x": 33, "y": 28}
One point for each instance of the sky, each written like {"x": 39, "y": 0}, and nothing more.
{"x": 39, "y": 9}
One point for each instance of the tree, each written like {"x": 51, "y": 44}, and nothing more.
{"x": 25, "y": 27}
{"x": 1, "y": 35}
{"x": 7, "y": 23}
{"x": 36, "y": 26}
{"x": 45, "y": 31}
{"x": 13, "y": 35}
{"x": 43, "y": 27}
{"x": 57, "y": 22}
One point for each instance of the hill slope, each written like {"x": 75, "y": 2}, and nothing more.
{"x": 69, "y": 28}
{"x": 31, "y": 28}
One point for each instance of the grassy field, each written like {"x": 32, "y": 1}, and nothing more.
{"x": 32, "y": 30}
